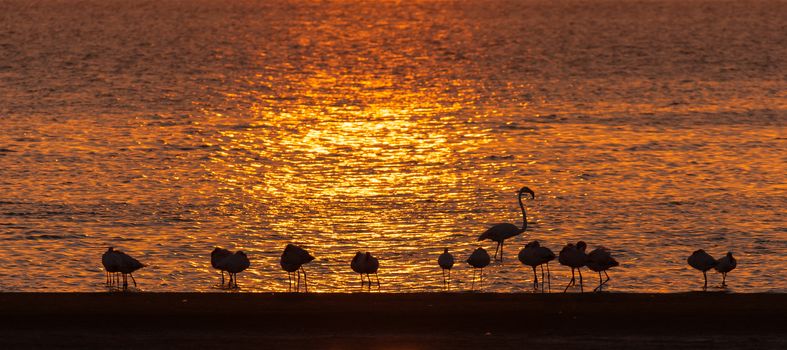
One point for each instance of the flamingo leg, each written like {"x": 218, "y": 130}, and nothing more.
{"x": 472, "y": 283}
{"x": 222, "y": 278}
{"x": 125, "y": 282}
{"x": 501, "y": 251}
{"x": 724, "y": 279}
{"x": 133, "y": 280}
{"x": 705, "y": 275}
{"x": 378, "y": 280}
{"x": 606, "y": 274}
{"x": 305, "y": 284}
{"x": 571, "y": 281}
{"x": 600, "y": 283}
{"x": 449, "y": 279}
{"x": 543, "y": 280}
{"x": 535, "y": 279}
{"x": 298, "y": 287}
{"x": 549, "y": 279}
{"x": 581, "y": 287}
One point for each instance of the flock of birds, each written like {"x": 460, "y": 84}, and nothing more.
{"x": 118, "y": 264}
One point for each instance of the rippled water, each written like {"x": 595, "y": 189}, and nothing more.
{"x": 165, "y": 128}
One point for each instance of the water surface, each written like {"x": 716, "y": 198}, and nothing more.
{"x": 165, "y": 128}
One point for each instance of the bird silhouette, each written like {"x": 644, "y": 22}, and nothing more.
{"x": 724, "y": 265}
{"x": 601, "y": 260}
{"x": 446, "y": 262}
{"x": 127, "y": 265}
{"x": 357, "y": 265}
{"x": 479, "y": 259}
{"x": 371, "y": 265}
{"x": 111, "y": 263}
{"x": 292, "y": 260}
{"x": 234, "y": 264}
{"x": 500, "y": 232}
{"x": 216, "y": 256}
{"x": 574, "y": 256}
{"x": 702, "y": 261}
{"x": 533, "y": 255}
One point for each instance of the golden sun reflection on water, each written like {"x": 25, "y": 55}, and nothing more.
{"x": 347, "y": 178}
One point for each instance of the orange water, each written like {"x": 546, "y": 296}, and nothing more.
{"x": 164, "y": 129}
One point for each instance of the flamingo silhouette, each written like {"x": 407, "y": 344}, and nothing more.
{"x": 500, "y": 232}
{"x": 702, "y": 261}
{"x": 574, "y": 256}
{"x": 234, "y": 264}
{"x": 357, "y": 265}
{"x": 292, "y": 260}
{"x": 724, "y": 265}
{"x": 371, "y": 265}
{"x": 127, "y": 265}
{"x": 533, "y": 255}
{"x": 601, "y": 260}
{"x": 111, "y": 263}
{"x": 446, "y": 262}
{"x": 479, "y": 259}
{"x": 216, "y": 256}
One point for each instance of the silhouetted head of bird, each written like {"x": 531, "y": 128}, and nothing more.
{"x": 445, "y": 250}
{"x": 581, "y": 245}
{"x": 533, "y": 244}
{"x": 110, "y": 250}
{"x": 526, "y": 189}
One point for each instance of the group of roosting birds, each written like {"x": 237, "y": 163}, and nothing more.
{"x": 533, "y": 255}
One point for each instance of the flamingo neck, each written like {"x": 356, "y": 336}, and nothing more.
{"x": 524, "y": 214}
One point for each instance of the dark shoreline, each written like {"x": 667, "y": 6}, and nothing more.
{"x": 424, "y": 320}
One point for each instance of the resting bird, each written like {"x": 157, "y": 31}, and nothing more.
{"x": 533, "y": 255}
{"x": 724, "y": 265}
{"x": 111, "y": 263}
{"x": 357, "y": 265}
{"x": 500, "y": 232}
{"x": 574, "y": 256}
{"x": 216, "y": 256}
{"x": 446, "y": 262}
{"x": 127, "y": 265}
{"x": 600, "y": 260}
{"x": 371, "y": 265}
{"x": 478, "y": 260}
{"x": 233, "y": 264}
{"x": 702, "y": 261}
{"x": 292, "y": 260}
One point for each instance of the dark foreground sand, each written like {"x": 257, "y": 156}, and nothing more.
{"x": 393, "y": 321}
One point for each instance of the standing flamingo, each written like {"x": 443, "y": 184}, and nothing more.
{"x": 601, "y": 260}
{"x": 724, "y": 265}
{"x": 478, "y": 260}
{"x": 533, "y": 255}
{"x": 446, "y": 262}
{"x": 702, "y": 261}
{"x": 234, "y": 264}
{"x": 111, "y": 262}
{"x": 500, "y": 232}
{"x": 357, "y": 264}
{"x": 292, "y": 260}
{"x": 575, "y": 257}
{"x": 127, "y": 265}
{"x": 216, "y": 256}
{"x": 371, "y": 265}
